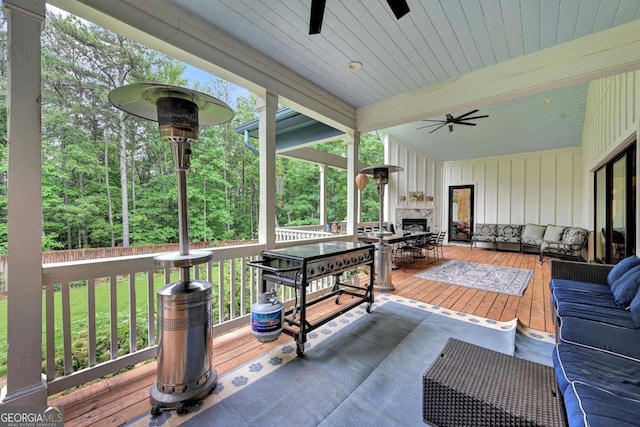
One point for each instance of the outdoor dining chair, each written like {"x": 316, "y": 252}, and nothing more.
{"x": 440, "y": 244}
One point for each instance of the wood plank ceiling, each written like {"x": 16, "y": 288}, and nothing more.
{"x": 437, "y": 42}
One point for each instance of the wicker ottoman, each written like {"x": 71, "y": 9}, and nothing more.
{"x": 472, "y": 386}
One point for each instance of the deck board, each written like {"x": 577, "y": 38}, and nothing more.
{"x": 121, "y": 398}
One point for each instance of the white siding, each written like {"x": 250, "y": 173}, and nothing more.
{"x": 420, "y": 174}
{"x": 611, "y": 122}
{"x": 540, "y": 188}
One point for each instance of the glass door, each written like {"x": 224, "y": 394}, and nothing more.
{"x": 460, "y": 213}
{"x": 615, "y": 202}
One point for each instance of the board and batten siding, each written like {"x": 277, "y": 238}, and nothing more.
{"x": 611, "y": 117}
{"x": 539, "y": 188}
{"x": 612, "y": 121}
{"x": 420, "y": 174}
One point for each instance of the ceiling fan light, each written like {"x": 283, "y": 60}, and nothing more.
{"x": 354, "y": 66}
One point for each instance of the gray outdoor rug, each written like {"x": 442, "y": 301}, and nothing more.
{"x": 505, "y": 280}
{"x": 359, "y": 370}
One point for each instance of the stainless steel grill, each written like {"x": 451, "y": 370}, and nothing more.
{"x": 297, "y": 266}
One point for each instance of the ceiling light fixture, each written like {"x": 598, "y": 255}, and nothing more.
{"x": 354, "y": 66}
{"x": 546, "y": 101}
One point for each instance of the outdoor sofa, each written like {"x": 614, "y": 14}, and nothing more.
{"x": 554, "y": 240}
{"x": 597, "y": 355}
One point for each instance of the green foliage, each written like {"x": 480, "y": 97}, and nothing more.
{"x": 109, "y": 180}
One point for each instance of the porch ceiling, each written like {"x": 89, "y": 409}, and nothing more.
{"x": 503, "y": 57}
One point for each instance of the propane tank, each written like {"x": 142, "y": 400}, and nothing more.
{"x": 267, "y": 317}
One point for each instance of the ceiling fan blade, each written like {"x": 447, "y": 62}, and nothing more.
{"x": 465, "y": 123}
{"x": 472, "y": 118}
{"x": 398, "y": 7}
{"x": 441, "y": 123}
{"x": 316, "y": 15}
{"x": 437, "y": 121}
{"x": 466, "y": 114}
{"x": 450, "y": 128}
{"x": 444, "y": 124}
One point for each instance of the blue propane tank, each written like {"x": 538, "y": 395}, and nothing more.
{"x": 267, "y": 317}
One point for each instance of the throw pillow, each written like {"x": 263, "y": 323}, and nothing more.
{"x": 553, "y": 233}
{"x": 533, "y": 231}
{"x": 626, "y": 287}
{"x": 635, "y": 310}
{"x": 574, "y": 236}
{"x": 622, "y": 267}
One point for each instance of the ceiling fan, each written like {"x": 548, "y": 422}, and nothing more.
{"x": 460, "y": 120}
{"x": 398, "y": 7}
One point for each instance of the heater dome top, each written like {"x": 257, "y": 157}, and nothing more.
{"x": 371, "y": 170}
{"x": 140, "y": 100}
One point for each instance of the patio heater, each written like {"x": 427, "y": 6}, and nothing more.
{"x": 383, "y": 259}
{"x": 184, "y": 374}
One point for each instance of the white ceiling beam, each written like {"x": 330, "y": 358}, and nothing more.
{"x": 320, "y": 157}
{"x": 166, "y": 27}
{"x": 598, "y": 55}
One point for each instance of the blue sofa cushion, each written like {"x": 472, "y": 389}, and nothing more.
{"x": 574, "y": 284}
{"x": 620, "y": 341}
{"x": 594, "y": 297}
{"x": 608, "y": 315}
{"x": 621, "y": 268}
{"x": 626, "y": 287}
{"x": 590, "y": 406}
{"x": 616, "y": 374}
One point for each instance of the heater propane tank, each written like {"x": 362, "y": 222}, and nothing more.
{"x": 267, "y": 316}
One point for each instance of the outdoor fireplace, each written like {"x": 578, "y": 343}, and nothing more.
{"x": 414, "y": 224}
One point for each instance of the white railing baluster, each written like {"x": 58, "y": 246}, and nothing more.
{"x": 113, "y": 315}
{"x": 151, "y": 321}
{"x": 51, "y": 333}
{"x": 133, "y": 318}
{"x": 243, "y": 287}
{"x": 221, "y": 293}
{"x": 91, "y": 318}
{"x": 66, "y": 328}
{"x": 232, "y": 289}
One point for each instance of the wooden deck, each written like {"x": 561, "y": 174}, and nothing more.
{"x": 115, "y": 400}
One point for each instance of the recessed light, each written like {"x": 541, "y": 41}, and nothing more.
{"x": 547, "y": 101}
{"x": 354, "y": 66}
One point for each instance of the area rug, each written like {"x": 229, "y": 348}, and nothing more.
{"x": 505, "y": 280}
{"x": 362, "y": 366}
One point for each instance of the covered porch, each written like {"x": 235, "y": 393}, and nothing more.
{"x": 122, "y": 398}
{"x": 612, "y": 56}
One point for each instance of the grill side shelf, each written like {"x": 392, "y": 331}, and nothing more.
{"x": 275, "y": 274}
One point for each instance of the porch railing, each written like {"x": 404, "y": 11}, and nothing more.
{"x": 85, "y": 339}
{"x": 287, "y": 234}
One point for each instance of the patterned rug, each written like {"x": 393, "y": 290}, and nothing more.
{"x": 361, "y": 366}
{"x": 505, "y": 280}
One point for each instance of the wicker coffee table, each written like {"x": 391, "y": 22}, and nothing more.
{"x": 469, "y": 385}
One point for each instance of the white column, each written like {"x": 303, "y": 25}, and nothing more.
{"x": 323, "y": 195}
{"x": 25, "y": 382}
{"x": 353, "y": 161}
{"x": 267, "y": 105}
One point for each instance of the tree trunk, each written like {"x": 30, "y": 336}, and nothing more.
{"x": 109, "y": 206}
{"x": 123, "y": 181}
